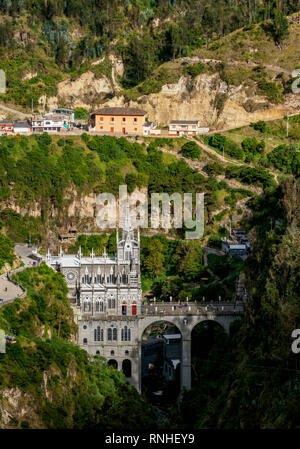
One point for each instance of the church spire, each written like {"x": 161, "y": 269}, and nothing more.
{"x": 127, "y": 224}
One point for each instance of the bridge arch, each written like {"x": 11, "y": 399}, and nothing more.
{"x": 157, "y": 355}
{"x": 185, "y": 324}
{"x": 208, "y": 320}
{"x": 150, "y": 320}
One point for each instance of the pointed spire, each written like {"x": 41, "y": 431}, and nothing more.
{"x": 105, "y": 253}
{"x": 48, "y": 254}
{"x": 92, "y": 253}
{"x": 79, "y": 252}
{"x": 127, "y": 224}
{"x": 61, "y": 253}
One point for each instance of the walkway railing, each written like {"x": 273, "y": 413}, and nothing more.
{"x": 167, "y": 308}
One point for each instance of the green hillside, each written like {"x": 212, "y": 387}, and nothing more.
{"x": 60, "y": 385}
{"x": 44, "y": 42}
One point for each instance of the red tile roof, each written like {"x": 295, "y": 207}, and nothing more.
{"x": 119, "y": 111}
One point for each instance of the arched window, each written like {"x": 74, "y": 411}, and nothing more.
{"x": 86, "y": 305}
{"x": 97, "y": 352}
{"x": 125, "y": 334}
{"x": 126, "y": 367}
{"x": 134, "y": 308}
{"x": 111, "y": 303}
{"x": 113, "y": 363}
{"x": 99, "y": 305}
{"x": 115, "y": 334}
{"x": 109, "y": 334}
{"x": 85, "y": 341}
{"x": 98, "y": 334}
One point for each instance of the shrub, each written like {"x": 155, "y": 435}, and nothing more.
{"x": 191, "y": 150}
{"x": 252, "y": 145}
{"x": 260, "y": 126}
{"x": 273, "y": 91}
{"x": 194, "y": 70}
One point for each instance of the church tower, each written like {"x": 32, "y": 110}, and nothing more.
{"x": 128, "y": 247}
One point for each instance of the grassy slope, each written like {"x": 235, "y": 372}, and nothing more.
{"x": 251, "y": 44}
{"x": 276, "y": 134}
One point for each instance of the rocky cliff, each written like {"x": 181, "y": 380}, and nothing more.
{"x": 206, "y": 98}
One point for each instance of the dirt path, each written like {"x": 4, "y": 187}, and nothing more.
{"x": 230, "y": 161}
{"x": 9, "y": 289}
{"x": 14, "y": 111}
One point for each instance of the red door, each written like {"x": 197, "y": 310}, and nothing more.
{"x": 112, "y": 129}
{"x": 123, "y": 130}
{"x": 133, "y": 309}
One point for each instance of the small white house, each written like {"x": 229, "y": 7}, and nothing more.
{"x": 22, "y": 127}
{"x": 149, "y": 129}
{"x": 183, "y": 127}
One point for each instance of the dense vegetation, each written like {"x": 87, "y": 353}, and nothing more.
{"x": 284, "y": 157}
{"x": 55, "y": 39}
{"x": 42, "y": 172}
{"x": 6, "y": 251}
{"x": 251, "y": 379}
{"x": 61, "y": 385}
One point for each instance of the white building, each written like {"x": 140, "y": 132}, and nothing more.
{"x": 105, "y": 293}
{"x": 185, "y": 127}
{"x": 22, "y": 127}
{"x": 50, "y": 123}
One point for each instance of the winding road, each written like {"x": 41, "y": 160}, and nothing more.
{"x": 10, "y": 290}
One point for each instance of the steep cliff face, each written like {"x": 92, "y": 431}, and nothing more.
{"x": 91, "y": 88}
{"x": 206, "y": 98}
{"x": 209, "y": 99}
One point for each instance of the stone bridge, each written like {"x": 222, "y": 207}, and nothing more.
{"x": 185, "y": 318}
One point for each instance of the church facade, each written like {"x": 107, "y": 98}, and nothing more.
{"x": 105, "y": 293}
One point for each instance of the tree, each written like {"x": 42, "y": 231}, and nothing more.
{"x": 153, "y": 261}
{"x": 207, "y": 23}
{"x": 191, "y": 150}
{"x": 279, "y": 27}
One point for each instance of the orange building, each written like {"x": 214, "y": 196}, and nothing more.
{"x": 118, "y": 120}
